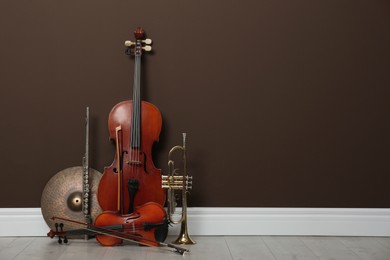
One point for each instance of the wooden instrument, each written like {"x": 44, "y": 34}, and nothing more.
{"x": 106, "y": 231}
{"x": 140, "y": 123}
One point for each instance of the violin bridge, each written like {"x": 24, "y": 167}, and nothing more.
{"x": 135, "y": 163}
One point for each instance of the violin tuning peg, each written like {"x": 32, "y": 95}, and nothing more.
{"x": 129, "y": 43}
{"x": 147, "y": 41}
{"x": 129, "y": 51}
{"x": 147, "y": 48}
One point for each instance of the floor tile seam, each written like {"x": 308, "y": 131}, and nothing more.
{"x": 338, "y": 239}
{"x": 386, "y": 245}
{"x": 307, "y": 246}
{"x": 355, "y": 248}
{"x": 9, "y": 242}
{"x": 24, "y": 248}
{"x": 228, "y": 247}
{"x": 269, "y": 249}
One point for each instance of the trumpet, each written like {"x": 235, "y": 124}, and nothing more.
{"x": 175, "y": 183}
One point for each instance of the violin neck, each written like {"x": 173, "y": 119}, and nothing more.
{"x": 136, "y": 113}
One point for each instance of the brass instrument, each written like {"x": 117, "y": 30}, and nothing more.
{"x": 175, "y": 182}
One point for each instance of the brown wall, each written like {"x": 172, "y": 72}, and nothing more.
{"x": 286, "y": 103}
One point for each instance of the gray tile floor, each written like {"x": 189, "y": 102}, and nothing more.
{"x": 207, "y": 247}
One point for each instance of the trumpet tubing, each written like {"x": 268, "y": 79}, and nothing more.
{"x": 176, "y": 183}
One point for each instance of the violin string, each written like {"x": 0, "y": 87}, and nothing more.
{"x": 135, "y": 127}
{"x": 138, "y": 108}
{"x": 135, "y": 135}
{"x": 119, "y": 170}
{"x": 138, "y": 105}
{"x": 134, "y": 144}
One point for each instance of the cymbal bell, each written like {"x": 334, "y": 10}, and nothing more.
{"x": 62, "y": 197}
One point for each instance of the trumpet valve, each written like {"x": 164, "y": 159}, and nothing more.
{"x": 172, "y": 182}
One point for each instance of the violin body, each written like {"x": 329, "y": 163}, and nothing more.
{"x": 137, "y": 163}
{"x": 148, "y": 222}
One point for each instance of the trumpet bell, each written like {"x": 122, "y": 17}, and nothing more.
{"x": 184, "y": 238}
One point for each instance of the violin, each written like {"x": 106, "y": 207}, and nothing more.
{"x": 148, "y": 225}
{"x": 140, "y": 123}
{"x": 116, "y": 232}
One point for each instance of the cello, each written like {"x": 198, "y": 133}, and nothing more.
{"x": 140, "y": 123}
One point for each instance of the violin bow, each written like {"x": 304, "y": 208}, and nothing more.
{"x": 126, "y": 237}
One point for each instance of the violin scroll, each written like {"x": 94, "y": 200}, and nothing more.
{"x": 61, "y": 234}
{"x": 139, "y": 44}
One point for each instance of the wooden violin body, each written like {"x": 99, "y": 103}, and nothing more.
{"x": 147, "y": 224}
{"x": 136, "y": 163}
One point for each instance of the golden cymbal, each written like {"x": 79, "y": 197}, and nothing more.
{"x": 62, "y": 197}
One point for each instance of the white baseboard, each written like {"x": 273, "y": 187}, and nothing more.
{"x": 239, "y": 221}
